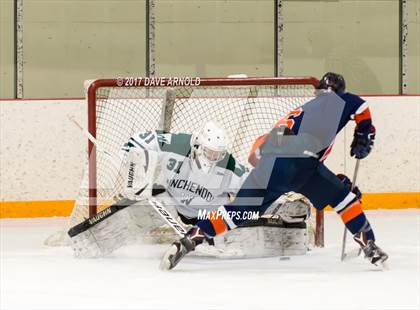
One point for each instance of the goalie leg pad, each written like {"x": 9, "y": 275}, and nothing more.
{"x": 104, "y": 237}
{"x": 263, "y": 241}
{"x": 282, "y": 230}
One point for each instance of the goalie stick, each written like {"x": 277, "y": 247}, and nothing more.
{"x": 99, "y": 217}
{"x": 114, "y": 208}
{"x": 351, "y": 254}
{"x": 92, "y": 221}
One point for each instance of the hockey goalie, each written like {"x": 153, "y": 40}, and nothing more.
{"x": 170, "y": 179}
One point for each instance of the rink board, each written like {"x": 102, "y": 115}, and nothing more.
{"x": 43, "y": 159}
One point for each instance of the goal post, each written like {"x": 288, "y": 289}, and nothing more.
{"x": 245, "y": 107}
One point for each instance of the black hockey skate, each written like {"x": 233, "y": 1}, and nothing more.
{"x": 181, "y": 248}
{"x": 372, "y": 252}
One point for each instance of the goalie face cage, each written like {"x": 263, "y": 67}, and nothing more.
{"x": 119, "y": 108}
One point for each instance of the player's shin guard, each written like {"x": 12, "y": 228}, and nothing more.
{"x": 351, "y": 212}
{"x": 218, "y": 223}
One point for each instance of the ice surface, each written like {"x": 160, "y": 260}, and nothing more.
{"x": 34, "y": 276}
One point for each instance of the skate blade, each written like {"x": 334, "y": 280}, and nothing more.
{"x": 383, "y": 265}
{"x": 165, "y": 263}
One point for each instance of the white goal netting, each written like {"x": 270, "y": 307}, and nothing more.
{"x": 246, "y": 110}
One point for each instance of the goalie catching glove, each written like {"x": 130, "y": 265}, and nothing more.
{"x": 290, "y": 208}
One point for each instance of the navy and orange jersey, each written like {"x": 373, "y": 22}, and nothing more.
{"x": 355, "y": 108}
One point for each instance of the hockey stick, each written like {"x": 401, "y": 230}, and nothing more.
{"x": 99, "y": 217}
{"x": 92, "y": 139}
{"x": 120, "y": 205}
{"x": 343, "y": 245}
{"x": 157, "y": 206}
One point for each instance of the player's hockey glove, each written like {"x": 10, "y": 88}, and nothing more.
{"x": 372, "y": 252}
{"x": 181, "y": 248}
{"x": 362, "y": 142}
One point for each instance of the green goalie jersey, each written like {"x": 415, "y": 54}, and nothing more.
{"x": 191, "y": 188}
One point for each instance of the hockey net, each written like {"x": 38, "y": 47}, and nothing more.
{"x": 119, "y": 108}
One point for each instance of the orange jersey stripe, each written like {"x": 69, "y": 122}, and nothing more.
{"x": 217, "y": 222}
{"x": 252, "y": 158}
{"x": 284, "y": 121}
{"x": 351, "y": 212}
{"x": 362, "y": 116}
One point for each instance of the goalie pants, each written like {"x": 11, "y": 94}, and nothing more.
{"x": 275, "y": 176}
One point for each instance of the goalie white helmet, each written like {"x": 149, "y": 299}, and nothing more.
{"x": 209, "y": 146}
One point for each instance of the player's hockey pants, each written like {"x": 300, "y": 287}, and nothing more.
{"x": 275, "y": 176}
